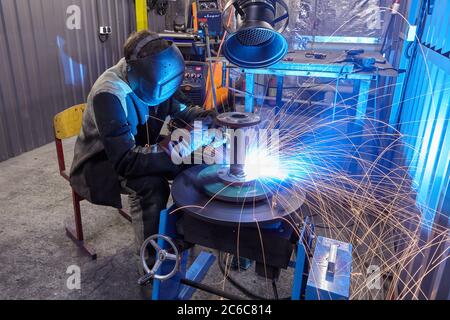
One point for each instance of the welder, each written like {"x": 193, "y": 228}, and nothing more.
{"x": 119, "y": 149}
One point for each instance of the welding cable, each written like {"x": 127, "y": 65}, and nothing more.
{"x": 388, "y": 29}
{"x": 102, "y": 37}
{"x": 241, "y": 288}
{"x": 219, "y": 51}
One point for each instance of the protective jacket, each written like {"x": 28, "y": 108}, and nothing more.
{"x": 117, "y": 125}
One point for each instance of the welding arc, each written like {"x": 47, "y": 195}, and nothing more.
{"x": 241, "y": 288}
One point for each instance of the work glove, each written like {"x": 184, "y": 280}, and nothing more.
{"x": 196, "y": 138}
{"x": 185, "y": 145}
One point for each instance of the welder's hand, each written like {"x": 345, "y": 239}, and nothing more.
{"x": 180, "y": 150}
{"x": 183, "y": 147}
{"x": 219, "y": 138}
{"x": 214, "y": 152}
{"x": 201, "y": 137}
{"x": 165, "y": 145}
{"x": 214, "y": 155}
{"x": 184, "y": 143}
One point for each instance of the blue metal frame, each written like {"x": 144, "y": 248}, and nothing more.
{"x": 197, "y": 273}
{"x": 341, "y": 39}
{"x": 172, "y": 289}
{"x": 250, "y": 89}
{"x": 300, "y": 264}
{"x": 285, "y": 68}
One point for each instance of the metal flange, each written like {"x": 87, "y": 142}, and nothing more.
{"x": 236, "y": 120}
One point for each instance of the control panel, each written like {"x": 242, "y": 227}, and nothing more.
{"x": 208, "y": 12}
{"x": 194, "y": 83}
{"x": 205, "y": 5}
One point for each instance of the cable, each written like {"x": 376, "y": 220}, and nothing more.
{"x": 388, "y": 29}
{"x": 241, "y": 288}
{"x": 102, "y": 37}
{"x": 244, "y": 290}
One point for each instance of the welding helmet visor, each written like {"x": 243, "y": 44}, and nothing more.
{"x": 157, "y": 77}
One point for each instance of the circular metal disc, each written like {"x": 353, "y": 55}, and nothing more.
{"x": 237, "y": 120}
{"x": 224, "y": 174}
{"x": 210, "y": 178}
{"x": 189, "y": 196}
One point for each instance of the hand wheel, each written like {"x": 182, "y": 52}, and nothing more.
{"x": 161, "y": 256}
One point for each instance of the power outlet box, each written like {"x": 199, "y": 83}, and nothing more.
{"x": 104, "y": 30}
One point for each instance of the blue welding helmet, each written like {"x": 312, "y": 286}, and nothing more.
{"x": 255, "y": 43}
{"x": 157, "y": 77}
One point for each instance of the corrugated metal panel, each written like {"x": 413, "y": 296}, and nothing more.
{"x": 46, "y": 67}
{"x": 437, "y": 27}
{"x": 423, "y": 119}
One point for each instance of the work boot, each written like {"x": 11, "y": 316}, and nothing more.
{"x": 146, "y": 290}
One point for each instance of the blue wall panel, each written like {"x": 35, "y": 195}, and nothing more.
{"x": 421, "y": 112}
{"x": 424, "y": 113}
{"x": 424, "y": 122}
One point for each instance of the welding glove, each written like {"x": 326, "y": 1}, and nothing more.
{"x": 192, "y": 140}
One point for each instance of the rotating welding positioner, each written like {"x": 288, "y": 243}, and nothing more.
{"x": 223, "y": 208}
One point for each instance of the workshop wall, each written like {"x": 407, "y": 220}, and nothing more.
{"x": 423, "y": 119}
{"x": 345, "y": 21}
{"x": 424, "y": 122}
{"x": 50, "y": 56}
{"x": 425, "y": 110}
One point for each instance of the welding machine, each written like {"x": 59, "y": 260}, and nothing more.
{"x": 222, "y": 207}
{"x": 208, "y": 12}
{"x": 194, "y": 83}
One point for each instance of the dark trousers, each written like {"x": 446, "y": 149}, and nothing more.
{"x": 147, "y": 197}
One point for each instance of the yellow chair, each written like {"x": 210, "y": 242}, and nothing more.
{"x": 67, "y": 124}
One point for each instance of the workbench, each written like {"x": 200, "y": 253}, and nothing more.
{"x": 298, "y": 64}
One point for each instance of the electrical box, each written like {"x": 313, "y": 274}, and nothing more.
{"x": 105, "y": 30}
{"x": 329, "y": 276}
{"x": 194, "y": 83}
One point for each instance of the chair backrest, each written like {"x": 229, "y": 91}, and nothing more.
{"x": 67, "y": 123}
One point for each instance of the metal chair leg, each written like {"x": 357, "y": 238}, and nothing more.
{"x": 77, "y": 235}
{"x": 80, "y": 243}
{"x": 125, "y": 214}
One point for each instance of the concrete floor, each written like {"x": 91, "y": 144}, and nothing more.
{"x": 35, "y": 204}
